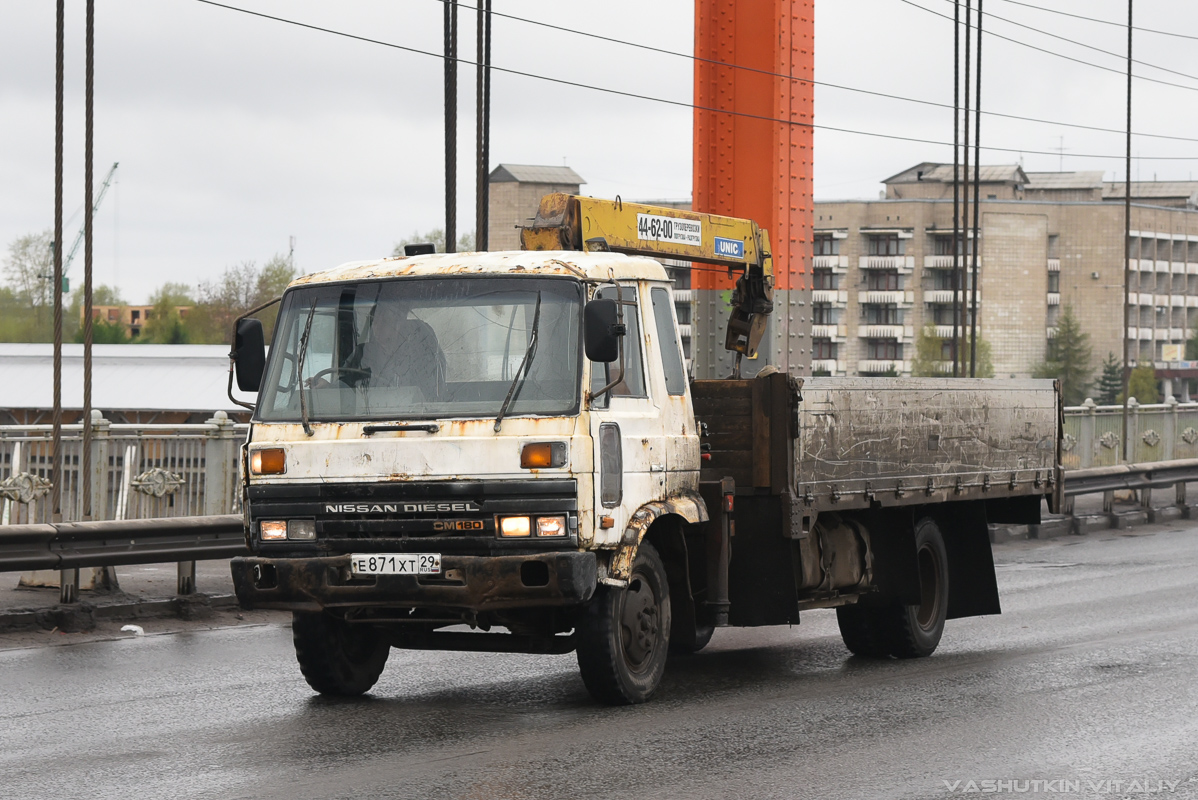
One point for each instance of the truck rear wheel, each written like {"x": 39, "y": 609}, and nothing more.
{"x": 335, "y": 657}
{"x": 899, "y": 630}
{"x": 624, "y": 634}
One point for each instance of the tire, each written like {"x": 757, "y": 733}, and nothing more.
{"x": 916, "y": 630}
{"x": 862, "y": 631}
{"x": 899, "y": 630}
{"x": 624, "y": 634}
{"x": 699, "y": 638}
{"x": 335, "y": 657}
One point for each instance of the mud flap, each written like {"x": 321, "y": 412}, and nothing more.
{"x": 972, "y": 584}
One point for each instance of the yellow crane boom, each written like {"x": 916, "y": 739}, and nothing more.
{"x": 571, "y": 222}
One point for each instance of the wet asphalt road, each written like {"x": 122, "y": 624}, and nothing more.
{"x": 1091, "y": 674}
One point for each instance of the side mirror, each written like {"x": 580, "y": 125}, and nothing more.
{"x": 249, "y": 354}
{"x": 602, "y": 330}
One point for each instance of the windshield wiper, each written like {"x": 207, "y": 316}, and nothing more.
{"x": 300, "y": 370}
{"x": 522, "y": 370}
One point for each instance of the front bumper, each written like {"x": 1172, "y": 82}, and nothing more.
{"x": 481, "y": 583}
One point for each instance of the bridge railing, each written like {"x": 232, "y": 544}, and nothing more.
{"x": 1159, "y": 432}
{"x": 138, "y": 471}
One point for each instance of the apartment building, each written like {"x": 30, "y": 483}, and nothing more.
{"x": 882, "y": 269}
{"x": 132, "y": 318}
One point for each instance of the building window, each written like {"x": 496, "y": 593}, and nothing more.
{"x": 821, "y": 314}
{"x": 823, "y": 349}
{"x": 943, "y": 245}
{"x": 1054, "y": 245}
{"x": 882, "y": 280}
{"x": 883, "y": 349}
{"x": 1054, "y": 281}
{"x": 827, "y": 245}
{"x": 823, "y": 279}
{"x": 1054, "y": 314}
{"x": 886, "y": 244}
{"x": 878, "y": 314}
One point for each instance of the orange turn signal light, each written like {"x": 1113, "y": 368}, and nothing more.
{"x": 271, "y": 461}
{"x": 543, "y": 455}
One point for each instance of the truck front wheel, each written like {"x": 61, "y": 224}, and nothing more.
{"x": 335, "y": 657}
{"x": 899, "y": 630}
{"x": 624, "y": 634}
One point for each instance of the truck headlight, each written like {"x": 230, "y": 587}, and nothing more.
{"x": 301, "y": 529}
{"x": 551, "y": 526}
{"x": 272, "y": 530}
{"x": 268, "y": 461}
{"x": 515, "y": 526}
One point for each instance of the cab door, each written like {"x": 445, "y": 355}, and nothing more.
{"x": 631, "y": 454}
{"x": 669, "y": 389}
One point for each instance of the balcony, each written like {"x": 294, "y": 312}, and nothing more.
{"x": 1054, "y": 265}
{"x": 900, "y": 263}
{"x": 883, "y": 331}
{"x": 828, "y": 365}
{"x": 682, "y": 296}
{"x": 1161, "y": 334}
{"x": 883, "y": 365}
{"x": 1177, "y": 335}
{"x": 886, "y": 298}
{"x": 840, "y": 296}
{"x": 1054, "y": 298}
{"x": 946, "y": 262}
{"x": 684, "y": 330}
{"x": 1177, "y": 301}
{"x": 1051, "y": 333}
{"x": 834, "y": 263}
{"x": 945, "y": 296}
{"x": 828, "y": 331}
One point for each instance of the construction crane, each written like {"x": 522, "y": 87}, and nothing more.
{"x": 571, "y": 222}
{"x": 66, "y": 262}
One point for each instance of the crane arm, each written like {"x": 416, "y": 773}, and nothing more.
{"x": 571, "y": 222}
{"x": 66, "y": 263}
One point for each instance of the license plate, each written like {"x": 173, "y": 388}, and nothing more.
{"x": 395, "y": 563}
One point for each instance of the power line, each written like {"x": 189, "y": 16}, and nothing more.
{"x": 1088, "y": 46}
{"x": 662, "y": 100}
{"x": 1104, "y": 21}
{"x": 1118, "y": 72}
{"x": 824, "y": 84}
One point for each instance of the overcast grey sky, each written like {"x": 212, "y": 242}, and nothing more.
{"x": 235, "y": 133}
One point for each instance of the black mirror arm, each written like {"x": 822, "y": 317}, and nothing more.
{"x": 622, "y": 331}
{"x": 233, "y": 349}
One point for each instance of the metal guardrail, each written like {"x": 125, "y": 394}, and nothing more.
{"x": 69, "y": 546}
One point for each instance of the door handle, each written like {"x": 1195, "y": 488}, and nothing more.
{"x": 657, "y": 467}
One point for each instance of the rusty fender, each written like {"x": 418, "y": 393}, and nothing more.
{"x": 476, "y": 583}
{"x": 688, "y": 505}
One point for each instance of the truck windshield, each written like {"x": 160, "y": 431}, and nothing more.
{"x": 425, "y": 348}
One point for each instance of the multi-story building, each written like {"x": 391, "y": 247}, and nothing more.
{"x": 882, "y": 269}
{"x": 132, "y": 318}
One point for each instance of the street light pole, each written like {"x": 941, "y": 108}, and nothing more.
{"x": 1127, "y": 243}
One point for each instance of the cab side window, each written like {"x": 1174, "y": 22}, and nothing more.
{"x": 633, "y": 384}
{"x": 667, "y": 340}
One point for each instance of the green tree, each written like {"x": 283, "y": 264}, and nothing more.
{"x": 929, "y": 358}
{"x": 1110, "y": 383}
{"x": 1068, "y": 358}
{"x": 1141, "y": 384}
{"x": 105, "y": 332}
{"x": 437, "y": 237}
{"x": 165, "y": 324}
{"x": 102, "y": 295}
{"x": 29, "y": 266}
{"x": 239, "y": 289}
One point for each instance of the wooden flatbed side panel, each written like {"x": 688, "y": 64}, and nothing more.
{"x": 896, "y": 441}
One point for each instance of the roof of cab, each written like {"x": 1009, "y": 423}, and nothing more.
{"x": 567, "y": 263}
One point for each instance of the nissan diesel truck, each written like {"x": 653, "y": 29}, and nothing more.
{"x": 503, "y": 452}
